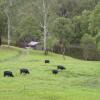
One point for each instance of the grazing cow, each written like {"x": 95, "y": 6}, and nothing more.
{"x": 55, "y": 72}
{"x": 47, "y": 61}
{"x": 8, "y": 73}
{"x": 25, "y": 71}
{"x": 61, "y": 67}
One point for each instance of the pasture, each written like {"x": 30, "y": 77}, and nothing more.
{"x": 80, "y": 80}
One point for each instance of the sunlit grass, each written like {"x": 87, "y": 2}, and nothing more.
{"x": 80, "y": 80}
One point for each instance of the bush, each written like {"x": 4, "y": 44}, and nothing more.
{"x": 88, "y": 44}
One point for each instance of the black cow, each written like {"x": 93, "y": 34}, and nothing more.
{"x": 61, "y": 67}
{"x": 47, "y": 61}
{"x": 8, "y": 73}
{"x": 25, "y": 71}
{"x": 55, "y": 72}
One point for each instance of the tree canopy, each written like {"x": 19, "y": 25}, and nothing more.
{"x": 65, "y": 21}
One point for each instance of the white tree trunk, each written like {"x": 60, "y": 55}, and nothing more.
{"x": 45, "y": 25}
{"x": 9, "y": 36}
{"x": 7, "y": 10}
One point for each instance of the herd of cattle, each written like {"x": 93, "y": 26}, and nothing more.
{"x": 26, "y": 71}
{"x": 10, "y": 74}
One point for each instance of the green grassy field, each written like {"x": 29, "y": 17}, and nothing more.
{"x": 80, "y": 80}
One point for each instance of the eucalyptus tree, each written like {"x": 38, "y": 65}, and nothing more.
{"x": 43, "y": 12}
{"x": 2, "y": 20}
{"x": 88, "y": 44}
{"x": 63, "y": 29}
{"x": 8, "y": 5}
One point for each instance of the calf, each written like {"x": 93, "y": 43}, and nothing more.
{"x": 8, "y": 73}
{"x": 55, "y": 72}
{"x": 61, "y": 67}
{"x": 47, "y": 61}
{"x": 25, "y": 71}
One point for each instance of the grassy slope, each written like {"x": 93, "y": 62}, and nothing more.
{"x": 80, "y": 81}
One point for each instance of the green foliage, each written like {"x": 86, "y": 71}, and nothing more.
{"x": 88, "y": 44}
{"x": 52, "y": 41}
{"x": 94, "y": 25}
{"x": 67, "y": 20}
{"x": 81, "y": 24}
{"x": 98, "y": 41}
{"x": 27, "y": 28}
{"x": 63, "y": 29}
